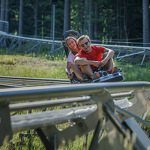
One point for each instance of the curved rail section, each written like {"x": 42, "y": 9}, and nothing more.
{"x": 91, "y": 107}
{"x": 34, "y": 45}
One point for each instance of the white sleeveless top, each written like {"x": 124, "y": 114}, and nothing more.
{"x": 70, "y": 58}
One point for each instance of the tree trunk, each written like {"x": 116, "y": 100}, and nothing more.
{"x": 95, "y": 21}
{"x": 35, "y": 17}
{"x": 20, "y": 17}
{"x": 118, "y": 20}
{"x": 81, "y": 11}
{"x": 67, "y": 15}
{"x": 6, "y": 11}
{"x": 146, "y": 36}
{"x": 125, "y": 21}
{"x": 90, "y": 20}
{"x": 86, "y": 6}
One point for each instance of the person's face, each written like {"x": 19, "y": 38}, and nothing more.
{"x": 72, "y": 44}
{"x": 85, "y": 45}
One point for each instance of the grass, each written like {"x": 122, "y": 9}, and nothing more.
{"x": 24, "y": 66}
{"x": 54, "y": 68}
{"x": 135, "y": 72}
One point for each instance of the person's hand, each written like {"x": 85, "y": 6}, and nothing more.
{"x": 70, "y": 75}
{"x": 102, "y": 63}
{"x": 96, "y": 63}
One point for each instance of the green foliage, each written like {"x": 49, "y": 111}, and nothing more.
{"x": 124, "y": 18}
{"x": 25, "y": 141}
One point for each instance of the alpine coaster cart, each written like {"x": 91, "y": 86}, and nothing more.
{"x": 105, "y": 77}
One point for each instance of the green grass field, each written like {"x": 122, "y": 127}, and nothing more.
{"x": 53, "y": 68}
{"x": 23, "y": 66}
{"x": 50, "y": 67}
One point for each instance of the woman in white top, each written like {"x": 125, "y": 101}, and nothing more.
{"x": 71, "y": 43}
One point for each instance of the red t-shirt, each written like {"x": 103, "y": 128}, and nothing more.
{"x": 95, "y": 54}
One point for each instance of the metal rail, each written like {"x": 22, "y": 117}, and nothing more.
{"x": 34, "y": 47}
{"x": 128, "y": 51}
{"x": 68, "y": 90}
{"x": 24, "y": 81}
{"x": 50, "y": 103}
{"x": 123, "y": 51}
{"x": 22, "y": 38}
{"x": 90, "y": 104}
{"x": 8, "y": 86}
{"x": 63, "y": 102}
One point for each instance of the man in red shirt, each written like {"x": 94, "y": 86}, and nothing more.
{"x": 97, "y": 57}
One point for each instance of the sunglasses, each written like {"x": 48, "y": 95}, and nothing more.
{"x": 86, "y": 43}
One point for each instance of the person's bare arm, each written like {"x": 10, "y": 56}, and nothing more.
{"x": 110, "y": 54}
{"x": 68, "y": 67}
{"x": 84, "y": 61}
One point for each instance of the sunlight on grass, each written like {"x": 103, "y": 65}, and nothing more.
{"x": 31, "y": 67}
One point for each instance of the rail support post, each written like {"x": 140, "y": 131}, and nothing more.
{"x": 5, "y": 125}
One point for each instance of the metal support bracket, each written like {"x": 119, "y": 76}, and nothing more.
{"x": 5, "y": 125}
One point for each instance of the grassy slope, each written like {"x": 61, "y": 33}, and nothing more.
{"x": 36, "y": 67}
{"x": 23, "y": 66}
